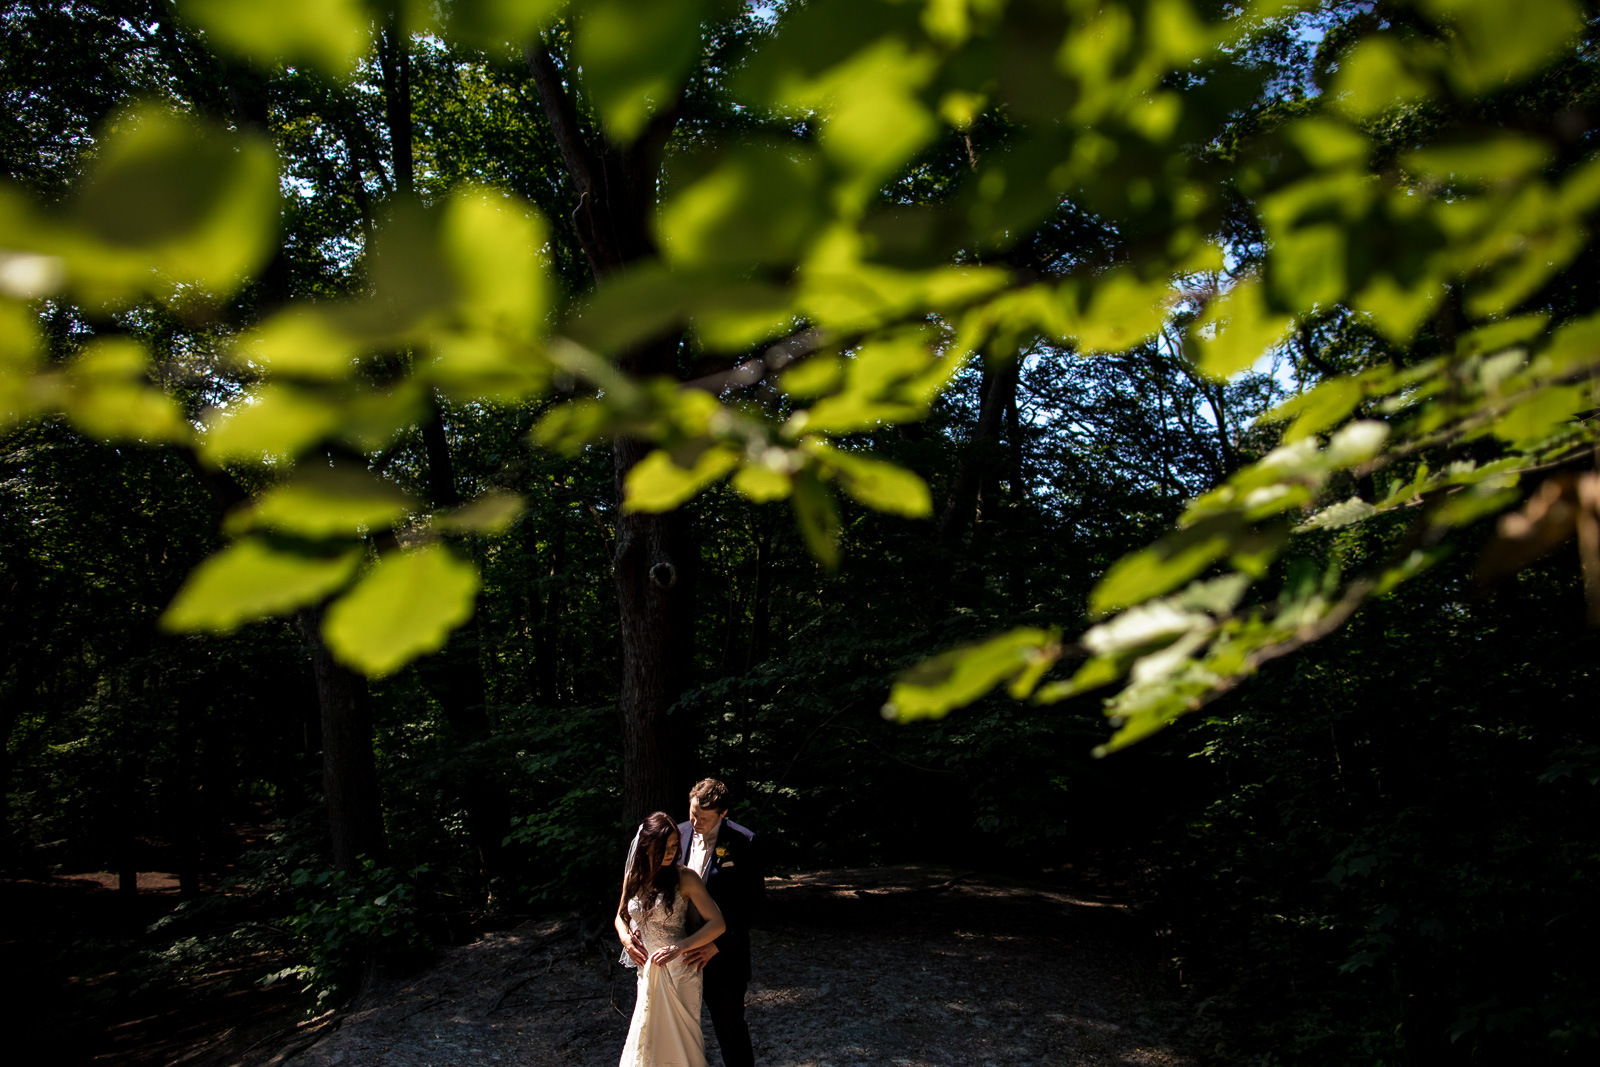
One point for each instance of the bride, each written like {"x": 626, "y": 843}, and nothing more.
{"x": 650, "y": 920}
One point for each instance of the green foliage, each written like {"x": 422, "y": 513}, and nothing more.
{"x": 757, "y": 236}
{"x": 1162, "y": 218}
{"x": 405, "y": 606}
{"x": 349, "y": 922}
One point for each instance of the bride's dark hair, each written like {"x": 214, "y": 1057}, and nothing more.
{"x": 646, "y": 875}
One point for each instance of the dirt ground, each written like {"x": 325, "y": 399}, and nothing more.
{"x": 901, "y": 967}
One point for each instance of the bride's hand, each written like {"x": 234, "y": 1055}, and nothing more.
{"x": 666, "y": 954}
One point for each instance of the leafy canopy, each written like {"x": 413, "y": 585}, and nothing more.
{"x": 1236, "y": 215}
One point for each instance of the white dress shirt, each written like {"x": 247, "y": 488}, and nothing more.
{"x": 701, "y": 848}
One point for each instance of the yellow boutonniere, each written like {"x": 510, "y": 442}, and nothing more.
{"x": 722, "y": 852}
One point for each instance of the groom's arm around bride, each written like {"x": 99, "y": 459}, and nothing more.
{"x": 728, "y": 859}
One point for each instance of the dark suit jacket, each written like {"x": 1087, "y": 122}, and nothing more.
{"x": 734, "y": 880}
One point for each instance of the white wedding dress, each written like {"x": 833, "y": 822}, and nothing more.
{"x": 665, "y": 1031}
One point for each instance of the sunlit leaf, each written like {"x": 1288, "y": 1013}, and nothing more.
{"x": 19, "y": 355}
{"x": 299, "y": 343}
{"x": 107, "y": 393}
{"x": 1500, "y": 42}
{"x": 403, "y": 608}
{"x": 761, "y": 482}
{"x": 635, "y": 55}
{"x": 492, "y": 514}
{"x": 1140, "y": 627}
{"x": 1337, "y": 516}
{"x": 1399, "y": 310}
{"x": 1485, "y": 160}
{"x": 881, "y": 485}
{"x": 500, "y": 23}
{"x": 325, "y": 501}
{"x": 817, "y": 514}
{"x": 1539, "y": 416}
{"x": 492, "y": 244}
{"x": 1164, "y": 565}
{"x": 1097, "y": 672}
{"x": 1318, "y": 408}
{"x": 1238, "y": 329}
{"x": 330, "y": 34}
{"x": 758, "y": 204}
{"x": 195, "y": 203}
{"x": 958, "y": 677}
{"x": 251, "y": 580}
{"x": 276, "y": 421}
{"x": 1377, "y": 75}
{"x": 658, "y": 483}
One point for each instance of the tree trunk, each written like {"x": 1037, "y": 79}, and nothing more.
{"x": 394, "y": 62}
{"x": 455, "y": 678}
{"x": 653, "y": 561}
{"x": 653, "y": 570}
{"x": 349, "y": 770}
{"x": 977, "y": 481}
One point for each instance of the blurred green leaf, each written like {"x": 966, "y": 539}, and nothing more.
{"x": 492, "y": 244}
{"x": 250, "y": 580}
{"x": 755, "y": 204}
{"x": 1481, "y": 160}
{"x": 1238, "y": 329}
{"x": 491, "y": 514}
{"x": 1399, "y": 310}
{"x": 880, "y": 485}
{"x": 275, "y": 421}
{"x": 658, "y": 483}
{"x": 818, "y": 516}
{"x": 299, "y": 343}
{"x": 19, "y": 356}
{"x": 194, "y": 202}
{"x": 321, "y": 502}
{"x": 1380, "y": 74}
{"x": 496, "y": 24}
{"x": 108, "y": 394}
{"x": 635, "y": 55}
{"x": 331, "y": 35}
{"x": 761, "y": 483}
{"x": 1318, "y": 408}
{"x": 936, "y": 686}
{"x": 1095, "y": 673}
{"x": 1499, "y": 43}
{"x": 403, "y": 608}
{"x": 1541, "y": 415}
{"x": 1166, "y": 564}
{"x": 1338, "y": 516}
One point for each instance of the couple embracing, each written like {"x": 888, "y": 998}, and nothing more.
{"x": 684, "y": 922}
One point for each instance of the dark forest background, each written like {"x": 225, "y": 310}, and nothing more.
{"x": 1381, "y": 850}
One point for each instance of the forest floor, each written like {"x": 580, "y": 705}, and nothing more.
{"x": 911, "y": 966}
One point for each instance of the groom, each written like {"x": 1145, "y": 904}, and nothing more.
{"x": 724, "y": 855}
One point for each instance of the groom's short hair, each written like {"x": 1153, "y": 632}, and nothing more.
{"x": 710, "y": 793}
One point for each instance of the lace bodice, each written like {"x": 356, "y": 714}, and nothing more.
{"x": 659, "y": 926}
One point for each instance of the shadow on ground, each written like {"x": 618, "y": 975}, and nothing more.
{"x": 903, "y": 966}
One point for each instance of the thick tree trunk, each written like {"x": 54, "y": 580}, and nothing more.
{"x": 653, "y": 561}
{"x": 653, "y": 570}
{"x": 349, "y": 770}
